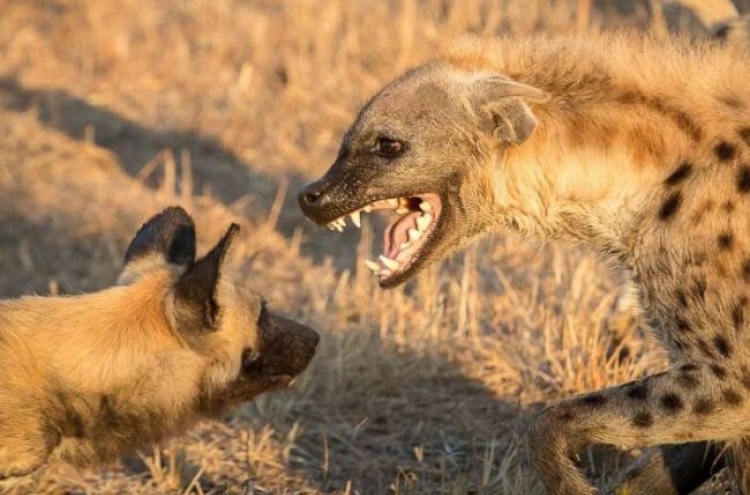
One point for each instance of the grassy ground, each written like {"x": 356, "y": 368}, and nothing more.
{"x": 112, "y": 110}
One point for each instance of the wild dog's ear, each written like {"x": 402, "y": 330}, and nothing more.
{"x": 170, "y": 233}
{"x": 196, "y": 305}
{"x": 505, "y": 104}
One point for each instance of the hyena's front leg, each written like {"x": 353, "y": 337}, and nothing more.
{"x": 692, "y": 402}
{"x": 671, "y": 470}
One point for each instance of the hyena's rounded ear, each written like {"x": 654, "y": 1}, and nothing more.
{"x": 170, "y": 233}
{"x": 196, "y": 306}
{"x": 505, "y": 105}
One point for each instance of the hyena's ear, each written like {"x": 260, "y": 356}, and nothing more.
{"x": 196, "y": 306}
{"x": 170, "y": 233}
{"x": 504, "y": 104}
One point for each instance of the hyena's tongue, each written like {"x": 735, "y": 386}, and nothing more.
{"x": 397, "y": 234}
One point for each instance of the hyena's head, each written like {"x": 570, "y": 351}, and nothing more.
{"x": 213, "y": 313}
{"x": 422, "y": 147}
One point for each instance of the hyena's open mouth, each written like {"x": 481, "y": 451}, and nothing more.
{"x": 405, "y": 238}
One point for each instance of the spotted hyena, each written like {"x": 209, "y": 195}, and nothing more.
{"x": 637, "y": 148}
{"x": 87, "y": 378}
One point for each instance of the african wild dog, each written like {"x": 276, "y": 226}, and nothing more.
{"x": 636, "y": 147}
{"x": 87, "y": 378}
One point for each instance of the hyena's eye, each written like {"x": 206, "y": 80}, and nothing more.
{"x": 389, "y": 148}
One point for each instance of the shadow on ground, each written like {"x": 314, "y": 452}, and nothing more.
{"x": 215, "y": 168}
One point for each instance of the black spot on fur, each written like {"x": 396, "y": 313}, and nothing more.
{"x": 745, "y": 377}
{"x": 731, "y": 397}
{"x": 594, "y": 399}
{"x": 638, "y": 392}
{"x": 728, "y": 206}
{"x": 722, "y": 346}
{"x": 679, "y": 175}
{"x": 743, "y": 179}
{"x": 725, "y": 241}
{"x": 725, "y": 151}
{"x": 689, "y": 367}
{"x": 718, "y": 371}
{"x": 671, "y": 403}
{"x": 703, "y": 406}
{"x": 670, "y": 206}
{"x": 643, "y": 419}
{"x": 745, "y": 135}
{"x": 746, "y": 270}
{"x": 683, "y": 325}
{"x": 732, "y": 102}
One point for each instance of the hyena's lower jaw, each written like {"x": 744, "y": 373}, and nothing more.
{"x": 405, "y": 239}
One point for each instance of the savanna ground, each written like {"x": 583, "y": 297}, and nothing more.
{"x": 111, "y": 110}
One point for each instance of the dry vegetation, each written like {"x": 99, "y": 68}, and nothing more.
{"x": 110, "y": 110}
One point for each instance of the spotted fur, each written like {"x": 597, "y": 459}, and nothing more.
{"x": 640, "y": 150}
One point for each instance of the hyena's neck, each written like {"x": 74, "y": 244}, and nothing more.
{"x": 591, "y": 174}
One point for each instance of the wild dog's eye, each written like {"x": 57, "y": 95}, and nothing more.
{"x": 389, "y": 148}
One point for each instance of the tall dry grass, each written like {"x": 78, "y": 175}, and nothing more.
{"x": 111, "y": 110}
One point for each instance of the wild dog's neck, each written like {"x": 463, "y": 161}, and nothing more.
{"x": 585, "y": 176}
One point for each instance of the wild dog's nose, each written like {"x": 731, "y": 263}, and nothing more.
{"x": 312, "y": 199}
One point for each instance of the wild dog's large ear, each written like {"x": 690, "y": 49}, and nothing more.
{"x": 505, "y": 103}
{"x": 196, "y": 306}
{"x": 170, "y": 233}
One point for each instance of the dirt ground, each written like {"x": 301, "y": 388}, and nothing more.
{"x": 111, "y": 110}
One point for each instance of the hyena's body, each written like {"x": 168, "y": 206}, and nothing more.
{"x": 88, "y": 378}
{"x": 637, "y": 148}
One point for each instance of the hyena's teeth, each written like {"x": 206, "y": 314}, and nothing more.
{"x": 374, "y": 266}
{"x": 414, "y": 234}
{"x": 367, "y": 209}
{"x": 339, "y": 224}
{"x": 402, "y": 210}
{"x": 356, "y": 219}
{"x": 423, "y": 222}
{"x": 392, "y": 203}
{"x": 389, "y": 263}
{"x": 425, "y": 207}
{"x": 403, "y": 202}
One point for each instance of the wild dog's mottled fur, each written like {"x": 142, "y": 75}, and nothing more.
{"x": 87, "y": 378}
{"x": 638, "y": 148}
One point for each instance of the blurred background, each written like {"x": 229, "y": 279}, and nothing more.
{"x": 111, "y": 110}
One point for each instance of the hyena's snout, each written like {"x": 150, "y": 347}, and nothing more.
{"x": 285, "y": 347}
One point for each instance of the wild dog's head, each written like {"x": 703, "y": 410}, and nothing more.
{"x": 248, "y": 349}
{"x": 421, "y": 147}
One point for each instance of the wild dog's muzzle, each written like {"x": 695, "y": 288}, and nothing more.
{"x": 285, "y": 347}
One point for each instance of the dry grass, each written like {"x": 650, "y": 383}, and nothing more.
{"x": 111, "y": 110}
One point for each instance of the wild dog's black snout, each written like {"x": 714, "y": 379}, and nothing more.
{"x": 285, "y": 347}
